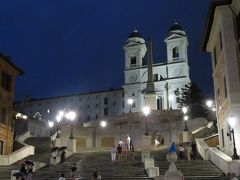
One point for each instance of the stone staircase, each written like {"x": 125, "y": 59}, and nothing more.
{"x": 42, "y": 154}
{"x": 192, "y": 170}
{"x": 88, "y": 162}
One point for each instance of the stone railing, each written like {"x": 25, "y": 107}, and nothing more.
{"x": 17, "y": 155}
{"x": 23, "y": 136}
{"x": 217, "y": 157}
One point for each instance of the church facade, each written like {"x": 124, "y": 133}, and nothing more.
{"x": 168, "y": 79}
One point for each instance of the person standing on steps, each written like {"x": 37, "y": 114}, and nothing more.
{"x": 194, "y": 150}
{"x": 172, "y": 148}
{"x": 119, "y": 152}
{"x": 181, "y": 152}
{"x": 132, "y": 151}
{"x": 62, "y": 177}
{"x": 97, "y": 175}
{"x": 63, "y": 157}
{"x": 113, "y": 154}
{"x": 73, "y": 171}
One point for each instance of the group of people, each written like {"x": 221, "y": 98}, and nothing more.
{"x": 190, "y": 151}
{"x": 26, "y": 170}
{"x": 122, "y": 151}
{"x": 73, "y": 174}
{"x": 62, "y": 156}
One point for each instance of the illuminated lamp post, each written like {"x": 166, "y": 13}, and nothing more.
{"x": 130, "y": 102}
{"x": 232, "y": 123}
{"x": 146, "y": 111}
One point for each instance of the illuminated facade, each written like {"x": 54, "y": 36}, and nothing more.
{"x": 8, "y": 73}
{"x": 222, "y": 38}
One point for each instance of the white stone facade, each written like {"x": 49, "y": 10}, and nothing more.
{"x": 104, "y": 104}
{"x": 174, "y": 73}
{"x": 222, "y": 41}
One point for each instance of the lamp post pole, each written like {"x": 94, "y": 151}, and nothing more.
{"x": 146, "y": 111}
{"x": 235, "y": 155}
{"x": 232, "y": 123}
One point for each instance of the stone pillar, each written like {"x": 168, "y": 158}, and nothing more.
{"x": 148, "y": 163}
{"x": 173, "y": 173}
{"x": 57, "y": 142}
{"x": 145, "y": 154}
{"x": 147, "y": 141}
{"x": 71, "y": 145}
{"x": 186, "y": 136}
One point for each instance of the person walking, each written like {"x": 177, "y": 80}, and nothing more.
{"x": 125, "y": 150}
{"x": 119, "y": 152}
{"x": 194, "y": 150}
{"x": 63, "y": 157}
{"x": 172, "y": 148}
{"x": 97, "y": 175}
{"x": 62, "y": 177}
{"x": 132, "y": 151}
{"x": 181, "y": 152}
{"x": 73, "y": 171}
{"x": 189, "y": 151}
{"x": 113, "y": 154}
{"x": 23, "y": 171}
{"x": 54, "y": 156}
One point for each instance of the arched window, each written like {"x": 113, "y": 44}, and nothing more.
{"x": 175, "y": 53}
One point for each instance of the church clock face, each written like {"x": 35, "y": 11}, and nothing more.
{"x": 133, "y": 78}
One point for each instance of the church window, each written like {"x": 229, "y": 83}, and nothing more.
{"x": 114, "y": 103}
{"x": 123, "y": 104}
{"x": 238, "y": 29}
{"x": 155, "y": 77}
{"x": 88, "y": 118}
{"x": 1, "y": 147}
{"x": 96, "y": 116}
{"x": 6, "y": 81}
{"x": 105, "y": 111}
{"x": 220, "y": 36}
{"x": 96, "y": 105}
{"x": 105, "y": 100}
{"x": 175, "y": 53}
{"x": 225, "y": 87}
{"x": 133, "y": 61}
{"x": 3, "y": 117}
{"x": 88, "y": 106}
{"x": 223, "y": 142}
{"x": 215, "y": 57}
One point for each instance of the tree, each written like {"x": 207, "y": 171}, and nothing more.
{"x": 192, "y": 97}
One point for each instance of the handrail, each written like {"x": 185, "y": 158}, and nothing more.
{"x": 17, "y": 155}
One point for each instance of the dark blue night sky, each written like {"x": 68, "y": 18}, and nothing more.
{"x": 72, "y": 46}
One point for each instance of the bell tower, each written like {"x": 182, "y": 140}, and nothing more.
{"x": 177, "y": 43}
{"x": 135, "y": 50}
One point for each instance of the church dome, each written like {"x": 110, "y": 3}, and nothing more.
{"x": 135, "y": 33}
{"x": 175, "y": 27}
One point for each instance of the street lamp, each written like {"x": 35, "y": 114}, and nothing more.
{"x": 146, "y": 111}
{"x": 209, "y": 103}
{"x": 185, "y": 117}
{"x": 50, "y": 125}
{"x": 103, "y": 124}
{"x": 71, "y": 116}
{"x": 130, "y": 102}
{"x": 170, "y": 97}
{"x": 58, "y": 118}
{"x": 232, "y": 122}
